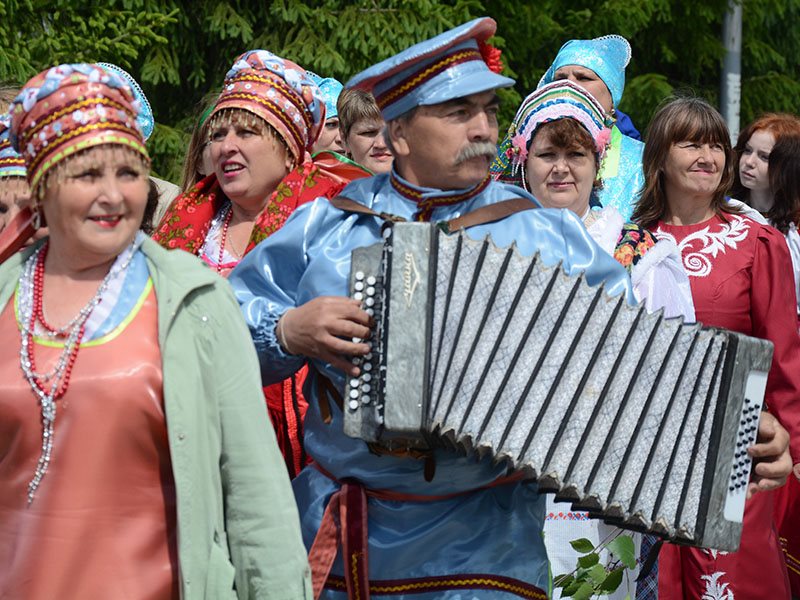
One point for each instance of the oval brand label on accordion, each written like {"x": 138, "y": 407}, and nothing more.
{"x": 410, "y": 277}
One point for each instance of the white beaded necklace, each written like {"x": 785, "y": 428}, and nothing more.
{"x": 72, "y": 332}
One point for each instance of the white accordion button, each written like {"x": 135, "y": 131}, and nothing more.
{"x": 366, "y": 378}
{"x": 371, "y": 280}
{"x": 370, "y": 312}
{"x": 358, "y": 296}
{"x": 365, "y": 399}
{"x": 367, "y": 366}
{"x": 370, "y": 291}
{"x": 370, "y": 302}
{"x": 358, "y": 286}
{"x": 359, "y": 275}
{"x": 366, "y": 388}
{"x": 353, "y": 404}
{"x": 354, "y": 393}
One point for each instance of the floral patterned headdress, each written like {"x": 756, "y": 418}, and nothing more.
{"x": 70, "y": 108}
{"x": 278, "y": 91}
{"x": 558, "y": 100}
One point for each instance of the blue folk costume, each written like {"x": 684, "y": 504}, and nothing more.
{"x": 621, "y": 169}
{"x": 471, "y": 527}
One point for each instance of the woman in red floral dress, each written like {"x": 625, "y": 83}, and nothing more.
{"x": 738, "y": 271}
{"x": 261, "y": 131}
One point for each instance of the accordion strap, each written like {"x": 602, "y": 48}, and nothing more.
{"x": 480, "y": 216}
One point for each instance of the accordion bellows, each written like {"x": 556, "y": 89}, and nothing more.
{"x": 642, "y": 421}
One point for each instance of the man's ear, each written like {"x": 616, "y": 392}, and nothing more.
{"x": 398, "y": 132}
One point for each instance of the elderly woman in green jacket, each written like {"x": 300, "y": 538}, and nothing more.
{"x": 135, "y": 452}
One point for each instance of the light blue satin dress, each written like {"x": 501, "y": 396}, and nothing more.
{"x": 621, "y": 172}
{"x": 497, "y": 531}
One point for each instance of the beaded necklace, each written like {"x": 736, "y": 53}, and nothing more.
{"x": 221, "y": 221}
{"x": 50, "y": 386}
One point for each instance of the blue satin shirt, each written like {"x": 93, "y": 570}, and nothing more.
{"x": 495, "y": 532}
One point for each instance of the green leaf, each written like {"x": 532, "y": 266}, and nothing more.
{"x": 582, "y": 545}
{"x": 563, "y": 581}
{"x": 612, "y": 581}
{"x": 598, "y": 574}
{"x": 623, "y": 548}
{"x": 573, "y": 587}
{"x": 584, "y": 592}
{"x": 589, "y": 560}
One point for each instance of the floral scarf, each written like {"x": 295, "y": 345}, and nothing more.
{"x": 187, "y": 221}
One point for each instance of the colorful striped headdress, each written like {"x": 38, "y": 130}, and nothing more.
{"x": 11, "y": 163}
{"x": 454, "y": 64}
{"x": 557, "y": 100}
{"x": 70, "y": 108}
{"x": 278, "y": 91}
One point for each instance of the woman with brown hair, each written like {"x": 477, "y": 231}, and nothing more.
{"x": 260, "y": 134}
{"x": 737, "y": 269}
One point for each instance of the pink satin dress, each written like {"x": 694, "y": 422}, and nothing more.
{"x": 103, "y": 522}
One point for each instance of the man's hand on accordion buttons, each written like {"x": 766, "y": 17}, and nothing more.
{"x": 325, "y": 328}
{"x": 772, "y": 462}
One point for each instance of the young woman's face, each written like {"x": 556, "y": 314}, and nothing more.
{"x": 367, "y": 146}
{"x": 754, "y": 162}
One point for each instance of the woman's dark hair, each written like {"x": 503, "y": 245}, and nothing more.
{"x": 779, "y": 125}
{"x": 681, "y": 119}
{"x": 784, "y": 181}
{"x": 150, "y": 208}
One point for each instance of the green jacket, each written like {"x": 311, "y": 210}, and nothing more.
{"x": 237, "y": 519}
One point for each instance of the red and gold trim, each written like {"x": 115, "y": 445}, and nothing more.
{"x": 422, "y": 585}
{"x": 430, "y": 71}
{"x": 792, "y": 562}
{"x": 429, "y": 203}
{"x": 236, "y": 99}
{"x": 85, "y": 103}
{"x": 283, "y": 87}
{"x": 109, "y": 126}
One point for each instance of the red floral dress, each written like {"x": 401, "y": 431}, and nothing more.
{"x": 740, "y": 274}
{"x": 185, "y": 226}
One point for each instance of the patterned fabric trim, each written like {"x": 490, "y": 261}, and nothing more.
{"x": 634, "y": 241}
{"x": 417, "y": 79}
{"x": 567, "y": 516}
{"x": 698, "y": 248}
{"x": 427, "y": 203}
{"x": 186, "y": 223}
{"x": 792, "y": 563}
{"x": 422, "y": 585}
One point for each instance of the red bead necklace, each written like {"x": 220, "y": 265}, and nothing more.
{"x": 37, "y": 314}
{"x": 224, "y": 238}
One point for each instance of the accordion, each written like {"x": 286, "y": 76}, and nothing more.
{"x": 641, "y": 420}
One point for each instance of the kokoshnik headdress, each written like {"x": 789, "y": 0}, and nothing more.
{"x": 554, "y": 101}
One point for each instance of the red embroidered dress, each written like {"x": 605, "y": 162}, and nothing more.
{"x": 186, "y": 225}
{"x": 741, "y": 278}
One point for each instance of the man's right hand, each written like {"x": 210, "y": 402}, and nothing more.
{"x": 316, "y": 329}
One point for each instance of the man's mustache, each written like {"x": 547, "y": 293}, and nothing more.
{"x": 475, "y": 149}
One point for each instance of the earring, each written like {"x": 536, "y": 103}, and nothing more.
{"x": 37, "y": 215}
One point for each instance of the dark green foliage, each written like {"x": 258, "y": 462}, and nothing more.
{"x": 180, "y": 49}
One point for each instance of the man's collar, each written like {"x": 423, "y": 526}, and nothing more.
{"x": 429, "y": 199}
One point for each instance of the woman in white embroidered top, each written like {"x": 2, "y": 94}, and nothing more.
{"x": 737, "y": 270}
